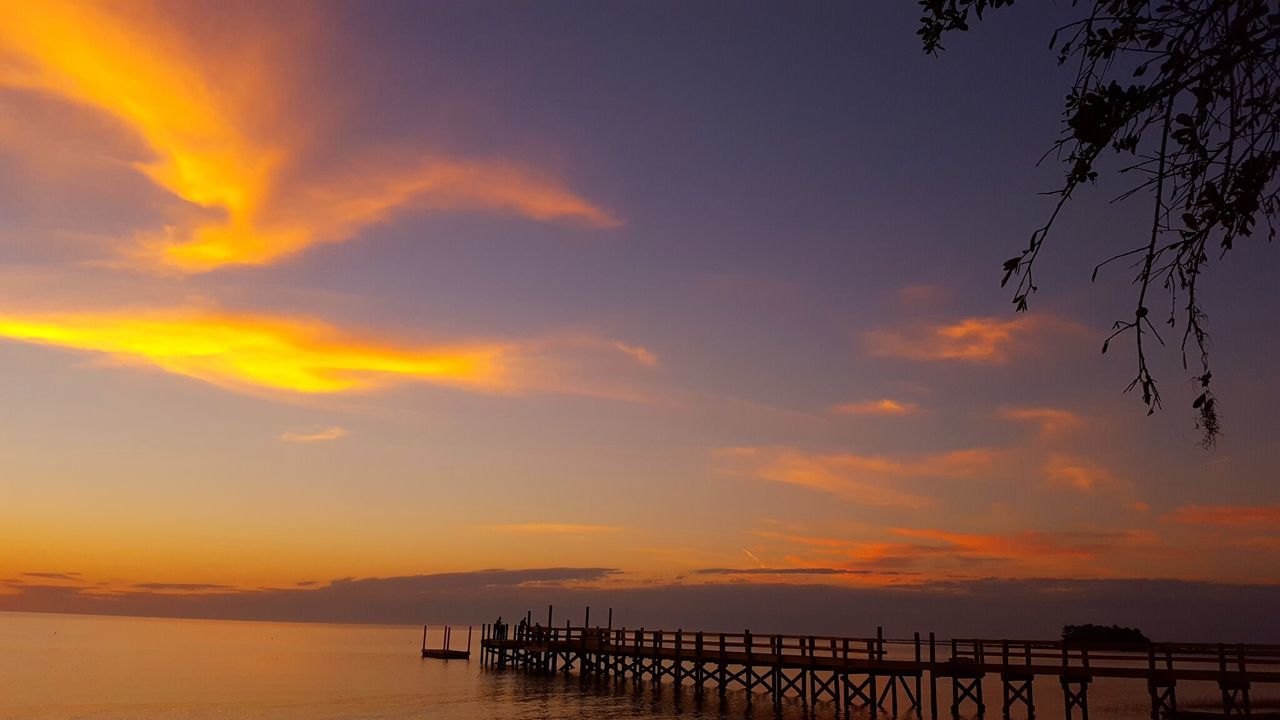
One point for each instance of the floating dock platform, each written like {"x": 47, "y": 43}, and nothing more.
{"x": 445, "y": 651}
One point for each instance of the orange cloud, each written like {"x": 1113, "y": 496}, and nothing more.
{"x": 1228, "y": 515}
{"x": 1051, "y": 421}
{"x": 242, "y": 351}
{"x": 332, "y": 433}
{"x": 642, "y": 355}
{"x": 973, "y": 340}
{"x": 867, "y": 479}
{"x": 337, "y": 211}
{"x": 883, "y": 407}
{"x": 932, "y": 553}
{"x": 919, "y": 294}
{"x": 1016, "y": 545}
{"x": 557, "y": 528}
{"x": 1077, "y": 473}
{"x": 215, "y": 146}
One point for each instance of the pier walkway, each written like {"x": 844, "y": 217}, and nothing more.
{"x": 891, "y": 675}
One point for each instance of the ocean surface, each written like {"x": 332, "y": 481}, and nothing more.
{"x": 59, "y": 667}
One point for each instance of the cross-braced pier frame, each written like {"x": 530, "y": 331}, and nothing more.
{"x": 892, "y": 676}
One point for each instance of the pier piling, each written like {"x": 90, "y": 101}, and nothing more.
{"x": 845, "y": 673}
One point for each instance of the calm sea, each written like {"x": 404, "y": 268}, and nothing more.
{"x": 73, "y": 666}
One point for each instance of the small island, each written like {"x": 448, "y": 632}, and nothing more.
{"x": 1104, "y": 636}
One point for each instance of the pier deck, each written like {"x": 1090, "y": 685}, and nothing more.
{"x": 884, "y": 674}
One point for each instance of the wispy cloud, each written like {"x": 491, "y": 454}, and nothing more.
{"x": 1077, "y": 473}
{"x": 920, "y": 294}
{"x": 1030, "y": 544}
{"x": 933, "y": 553}
{"x": 780, "y": 571}
{"x": 258, "y": 353}
{"x": 246, "y": 351}
{"x": 223, "y": 147}
{"x": 973, "y": 340}
{"x": 883, "y": 407}
{"x": 866, "y": 479}
{"x": 325, "y": 435}
{"x": 1227, "y": 515}
{"x": 184, "y": 587}
{"x": 642, "y": 355}
{"x": 68, "y": 576}
{"x": 1050, "y": 421}
{"x": 550, "y": 528}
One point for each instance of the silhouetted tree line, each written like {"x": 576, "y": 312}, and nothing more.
{"x": 1103, "y": 635}
{"x": 1188, "y": 91}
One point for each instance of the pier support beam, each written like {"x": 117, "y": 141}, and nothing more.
{"x": 861, "y": 694}
{"x": 1235, "y": 697}
{"x": 1075, "y": 694}
{"x": 967, "y": 687}
{"x": 1018, "y": 688}
{"x": 1164, "y": 698}
{"x": 829, "y": 688}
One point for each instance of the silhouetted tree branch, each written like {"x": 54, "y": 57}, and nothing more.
{"x": 1190, "y": 90}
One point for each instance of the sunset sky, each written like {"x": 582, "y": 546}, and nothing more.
{"x": 690, "y": 293}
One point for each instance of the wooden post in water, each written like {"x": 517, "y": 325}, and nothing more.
{"x": 1161, "y": 687}
{"x": 722, "y": 669}
{"x": 933, "y": 678}
{"x": 1017, "y": 685}
{"x": 1235, "y": 692}
{"x": 699, "y": 672}
{"x": 793, "y": 664}
{"x": 678, "y": 668}
{"x": 775, "y": 648}
{"x": 915, "y": 701}
{"x": 1075, "y": 686}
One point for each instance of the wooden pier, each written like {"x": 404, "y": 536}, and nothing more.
{"x": 446, "y": 651}
{"x": 876, "y": 674}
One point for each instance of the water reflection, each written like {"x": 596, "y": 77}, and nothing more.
{"x": 59, "y": 667}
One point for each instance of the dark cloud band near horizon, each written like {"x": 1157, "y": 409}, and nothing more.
{"x": 1167, "y": 610}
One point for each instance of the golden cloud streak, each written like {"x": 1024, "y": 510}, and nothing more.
{"x": 972, "y": 340}
{"x": 1052, "y": 421}
{"x": 932, "y": 553}
{"x": 1227, "y": 515}
{"x": 1077, "y": 473}
{"x": 241, "y": 351}
{"x": 214, "y": 147}
{"x": 557, "y": 528}
{"x": 883, "y": 407}
{"x": 326, "y": 435}
{"x": 866, "y": 479}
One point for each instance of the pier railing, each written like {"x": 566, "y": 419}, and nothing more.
{"x": 1191, "y": 661}
{"x": 871, "y": 671}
